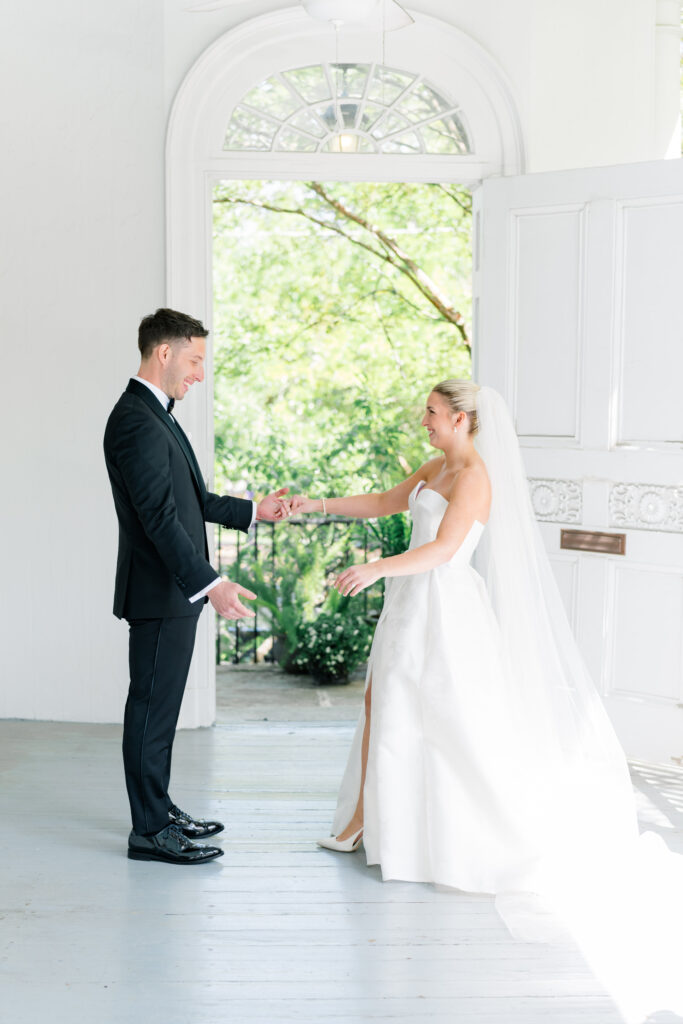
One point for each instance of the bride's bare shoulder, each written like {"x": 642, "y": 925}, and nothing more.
{"x": 472, "y": 483}
{"x": 428, "y": 470}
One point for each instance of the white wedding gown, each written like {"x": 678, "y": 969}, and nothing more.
{"x": 441, "y": 801}
{"x": 459, "y": 791}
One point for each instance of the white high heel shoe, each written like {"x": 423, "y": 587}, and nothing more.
{"x": 343, "y": 845}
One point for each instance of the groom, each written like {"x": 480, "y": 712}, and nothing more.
{"x": 163, "y": 575}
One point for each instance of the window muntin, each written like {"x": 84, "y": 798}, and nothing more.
{"x": 347, "y": 108}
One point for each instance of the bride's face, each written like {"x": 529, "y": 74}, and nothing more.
{"x": 439, "y": 420}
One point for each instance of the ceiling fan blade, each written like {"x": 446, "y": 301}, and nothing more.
{"x": 394, "y": 16}
{"x": 380, "y": 14}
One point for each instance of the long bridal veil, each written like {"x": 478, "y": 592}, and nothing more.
{"x": 562, "y": 722}
{"x": 620, "y": 896}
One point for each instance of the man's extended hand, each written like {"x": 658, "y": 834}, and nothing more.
{"x": 226, "y": 600}
{"x": 273, "y": 507}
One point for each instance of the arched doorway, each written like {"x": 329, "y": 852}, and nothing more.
{"x": 208, "y": 142}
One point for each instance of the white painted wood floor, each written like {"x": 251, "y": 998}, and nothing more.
{"x": 276, "y": 930}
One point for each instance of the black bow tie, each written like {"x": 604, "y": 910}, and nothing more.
{"x": 169, "y": 407}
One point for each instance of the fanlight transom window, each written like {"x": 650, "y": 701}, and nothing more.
{"x": 347, "y": 108}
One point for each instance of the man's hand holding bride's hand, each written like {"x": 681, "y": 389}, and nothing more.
{"x": 358, "y": 577}
{"x": 274, "y": 507}
{"x": 226, "y": 600}
{"x": 300, "y": 504}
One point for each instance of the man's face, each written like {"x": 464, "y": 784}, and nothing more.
{"x": 183, "y": 364}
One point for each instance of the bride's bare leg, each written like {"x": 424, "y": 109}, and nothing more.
{"x": 357, "y": 819}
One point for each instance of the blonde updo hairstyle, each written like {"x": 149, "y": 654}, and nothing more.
{"x": 461, "y": 396}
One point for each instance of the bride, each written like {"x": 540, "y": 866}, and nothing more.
{"x": 483, "y": 758}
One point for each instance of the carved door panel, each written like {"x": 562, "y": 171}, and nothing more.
{"x": 578, "y": 279}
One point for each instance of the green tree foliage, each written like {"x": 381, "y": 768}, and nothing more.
{"x": 338, "y": 306}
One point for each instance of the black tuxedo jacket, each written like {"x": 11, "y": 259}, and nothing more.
{"x": 162, "y": 504}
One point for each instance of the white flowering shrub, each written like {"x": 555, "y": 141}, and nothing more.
{"x": 332, "y": 645}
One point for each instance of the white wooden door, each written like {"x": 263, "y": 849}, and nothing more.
{"x": 578, "y": 294}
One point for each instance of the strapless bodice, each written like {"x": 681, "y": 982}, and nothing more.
{"x": 427, "y": 508}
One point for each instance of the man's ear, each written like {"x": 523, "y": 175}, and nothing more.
{"x": 163, "y": 352}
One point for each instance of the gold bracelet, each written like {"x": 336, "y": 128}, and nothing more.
{"x": 324, "y": 507}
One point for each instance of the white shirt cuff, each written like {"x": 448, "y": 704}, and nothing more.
{"x": 214, "y": 583}
{"x": 205, "y": 591}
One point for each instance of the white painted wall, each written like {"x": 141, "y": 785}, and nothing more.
{"x": 82, "y": 259}
{"x": 86, "y": 89}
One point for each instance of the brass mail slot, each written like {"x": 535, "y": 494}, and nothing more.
{"x": 593, "y": 540}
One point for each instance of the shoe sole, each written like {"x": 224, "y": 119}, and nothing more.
{"x": 335, "y": 849}
{"x": 134, "y": 855}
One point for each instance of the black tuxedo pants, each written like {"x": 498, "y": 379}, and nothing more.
{"x": 160, "y": 651}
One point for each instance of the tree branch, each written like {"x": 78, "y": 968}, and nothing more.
{"x": 402, "y": 261}
{"x": 465, "y": 207}
{"x": 393, "y": 254}
{"x": 327, "y": 225}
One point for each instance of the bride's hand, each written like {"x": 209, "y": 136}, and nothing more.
{"x": 300, "y": 503}
{"x": 358, "y": 577}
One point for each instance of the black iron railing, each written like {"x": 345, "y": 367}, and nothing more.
{"x": 258, "y": 561}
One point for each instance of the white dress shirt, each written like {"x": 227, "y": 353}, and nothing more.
{"x": 164, "y": 399}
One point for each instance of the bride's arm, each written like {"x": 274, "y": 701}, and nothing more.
{"x": 366, "y": 506}
{"x": 467, "y": 502}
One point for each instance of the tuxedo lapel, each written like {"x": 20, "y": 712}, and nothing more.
{"x": 153, "y": 403}
{"x": 189, "y": 451}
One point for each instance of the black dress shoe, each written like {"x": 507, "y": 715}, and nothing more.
{"x": 194, "y": 828}
{"x": 170, "y": 845}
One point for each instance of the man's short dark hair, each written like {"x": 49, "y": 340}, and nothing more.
{"x": 166, "y": 326}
